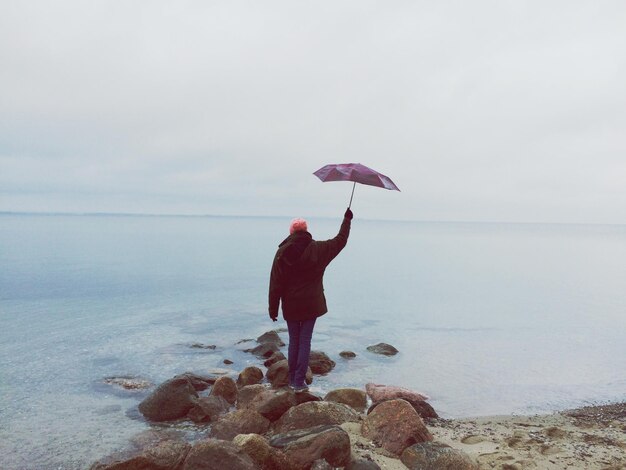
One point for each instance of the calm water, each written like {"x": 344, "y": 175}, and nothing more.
{"x": 488, "y": 318}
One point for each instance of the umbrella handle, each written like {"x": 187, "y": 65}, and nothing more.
{"x": 352, "y": 195}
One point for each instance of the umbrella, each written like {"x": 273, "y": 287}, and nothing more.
{"x": 357, "y": 173}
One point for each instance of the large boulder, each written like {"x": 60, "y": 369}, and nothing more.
{"x": 305, "y": 446}
{"x": 395, "y": 425}
{"x": 239, "y": 422}
{"x": 272, "y": 404}
{"x": 171, "y": 400}
{"x": 320, "y": 363}
{"x": 263, "y": 350}
{"x": 274, "y": 358}
{"x": 199, "y": 382}
{"x": 353, "y": 397}
{"x": 383, "y": 348}
{"x": 423, "y": 408}
{"x": 270, "y": 337}
{"x": 315, "y": 413}
{"x": 436, "y": 456}
{"x": 226, "y": 388}
{"x": 213, "y": 454}
{"x": 208, "y": 409}
{"x": 250, "y": 376}
{"x": 379, "y": 393}
{"x": 264, "y": 455}
{"x": 278, "y": 374}
{"x": 166, "y": 455}
{"x": 246, "y": 394}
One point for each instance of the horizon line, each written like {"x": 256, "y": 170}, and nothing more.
{"x": 150, "y": 214}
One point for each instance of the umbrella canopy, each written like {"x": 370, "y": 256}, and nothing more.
{"x": 357, "y": 173}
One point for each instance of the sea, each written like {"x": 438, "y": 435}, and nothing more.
{"x": 488, "y": 318}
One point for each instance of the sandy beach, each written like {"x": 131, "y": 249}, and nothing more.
{"x": 586, "y": 438}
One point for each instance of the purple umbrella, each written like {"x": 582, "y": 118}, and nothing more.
{"x": 357, "y": 173}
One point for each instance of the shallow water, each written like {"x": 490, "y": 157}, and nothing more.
{"x": 488, "y": 318}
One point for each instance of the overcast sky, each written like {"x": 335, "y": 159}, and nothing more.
{"x": 478, "y": 110}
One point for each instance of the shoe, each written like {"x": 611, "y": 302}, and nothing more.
{"x": 300, "y": 388}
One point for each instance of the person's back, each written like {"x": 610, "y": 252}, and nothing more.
{"x": 296, "y": 280}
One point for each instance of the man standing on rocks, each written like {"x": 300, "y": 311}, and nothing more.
{"x": 297, "y": 280}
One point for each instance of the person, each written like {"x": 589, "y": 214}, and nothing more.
{"x": 296, "y": 280}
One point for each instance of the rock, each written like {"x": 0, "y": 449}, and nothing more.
{"x": 352, "y": 397}
{"x": 165, "y": 455}
{"x": 199, "y": 382}
{"x": 239, "y": 422}
{"x": 272, "y": 404}
{"x": 274, "y": 358}
{"x": 321, "y": 464}
{"x": 171, "y": 400}
{"x": 315, "y": 413}
{"x": 246, "y": 340}
{"x": 208, "y": 409}
{"x": 259, "y": 450}
{"x": 435, "y": 456}
{"x": 128, "y": 382}
{"x": 278, "y": 374}
{"x": 347, "y": 354}
{"x": 362, "y": 464}
{"x": 395, "y": 425}
{"x": 379, "y": 393}
{"x": 213, "y": 454}
{"x": 228, "y": 362}
{"x": 423, "y": 408}
{"x": 305, "y": 446}
{"x": 246, "y": 394}
{"x": 320, "y": 363}
{"x": 304, "y": 397}
{"x": 225, "y": 387}
{"x": 383, "y": 348}
{"x": 263, "y": 350}
{"x": 250, "y": 376}
{"x": 270, "y": 337}
{"x": 202, "y": 346}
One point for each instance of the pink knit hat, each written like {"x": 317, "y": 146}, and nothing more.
{"x": 297, "y": 225}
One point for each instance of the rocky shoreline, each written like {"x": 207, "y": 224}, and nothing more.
{"x": 256, "y": 422}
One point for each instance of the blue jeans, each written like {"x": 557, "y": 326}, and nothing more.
{"x": 300, "y": 333}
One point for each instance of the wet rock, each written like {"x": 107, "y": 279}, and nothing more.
{"x": 225, "y": 387}
{"x": 383, "y": 348}
{"x": 239, "y": 422}
{"x": 199, "y": 382}
{"x": 228, "y": 362}
{"x": 363, "y": 464}
{"x": 202, "y": 346}
{"x": 272, "y": 404}
{"x": 259, "y": 450}
{"x": 274, "y": 358}
{"x": 171, "y": 400}
{"x": 246, "y": 394}
{"x": 208, "y": 409}
{"x": 305, "y": 446}
{"x": 352, "y": 397}
{"x": 379, "y": 393}
{"x": 304, "y": 397}
{"x": 423, "y": 408}
{"x": 315, "y": 413}
{"x": 320, "y": 363}
{"x": 247, "y": 340}
{"x": 278, "y": 374}
{"x": 395, "y": 425}
{"x": 213, "y": 454}
{"x": 434, "y": 456}
{"x": 165, "y": 455}
{"x": 270, "y": 337}
{"x": 128, "y": 382}
{"x": 250, "y": 376}
{"x": 263, "y": 350}
{"x": 347, "y": 354}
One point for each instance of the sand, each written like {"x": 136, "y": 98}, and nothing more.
{"x": 586, "y": 438}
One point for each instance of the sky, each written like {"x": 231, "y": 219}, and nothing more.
{"x": 511, "y": 111}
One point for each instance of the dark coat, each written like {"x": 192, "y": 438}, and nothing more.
{"x": 297, "y": 274}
